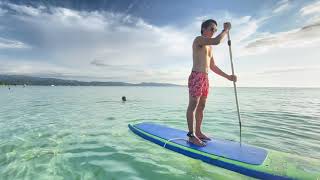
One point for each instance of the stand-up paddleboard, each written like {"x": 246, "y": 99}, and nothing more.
{"x": 245, "y": 159}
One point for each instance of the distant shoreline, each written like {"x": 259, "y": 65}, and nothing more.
{"x": 22, "y": 80}
{"x": 182, "y": 86}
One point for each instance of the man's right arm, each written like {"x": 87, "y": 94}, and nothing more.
{"x": 203, "y": 41}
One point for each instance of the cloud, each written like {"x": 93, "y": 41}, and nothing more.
{"x": 126, "y": 68}
{"x": 313, "y": 8}
{"x": 294, "y": 38}
{"x": 108, "y": 73}
{"x": 99, "y": 63}
{"x": 31, "y": 68}
{"x": 12, "y": 44}
{"x": 3, "y": 11}
{"x": 263, "y": 42}
{"x": 282, "y": 6}
{"x": 93, "y": 32}
{"x": 26, "y": 10}
{"x": 311, "y": 12}
{"x": 278, "y": 71}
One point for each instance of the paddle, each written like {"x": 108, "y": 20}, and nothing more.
{"x": 234, "y": 85}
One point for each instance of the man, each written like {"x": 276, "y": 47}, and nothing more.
{"x": 198, "y": 80}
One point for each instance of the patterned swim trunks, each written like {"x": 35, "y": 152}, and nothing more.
{"x": 198, "y": 84}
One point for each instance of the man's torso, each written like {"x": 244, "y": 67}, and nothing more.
{"x": 201, "y": 58}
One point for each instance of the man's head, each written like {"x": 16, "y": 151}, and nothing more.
{"x": 208, "y": 28}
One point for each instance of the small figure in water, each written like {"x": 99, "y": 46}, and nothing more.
{"x": 124, "y": 99}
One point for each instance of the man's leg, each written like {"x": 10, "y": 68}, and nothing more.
{"x": 193, "y": 102}
{"x": 199, "y": 117}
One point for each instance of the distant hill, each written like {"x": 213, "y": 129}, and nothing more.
{"x": 30, "y": 80}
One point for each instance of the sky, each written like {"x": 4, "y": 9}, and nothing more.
{"x": 275, "y": 43}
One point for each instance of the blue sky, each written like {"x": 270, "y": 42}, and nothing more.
{"x": 275, "y": 43}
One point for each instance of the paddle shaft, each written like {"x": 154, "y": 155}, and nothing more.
{"x": 234, "y": 85}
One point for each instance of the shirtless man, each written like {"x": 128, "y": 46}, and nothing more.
{"x": 198, "y": 80}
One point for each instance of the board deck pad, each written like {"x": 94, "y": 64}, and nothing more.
{"x": 219, "y": 147}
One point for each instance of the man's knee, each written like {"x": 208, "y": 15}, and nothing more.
{"x": 201, "y": 106}
{"x": 193, "y": 105}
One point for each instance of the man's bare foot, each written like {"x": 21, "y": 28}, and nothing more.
{"x": 196, "y": 141}
{"x": 202, "y": 137}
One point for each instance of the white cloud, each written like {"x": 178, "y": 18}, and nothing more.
{"x": 313, "y": 8}
{"x": 311, "y": 13}
{"x": 134, "y": 74}
{"x": 282, "y": 6}
{"x": 12, "y": 44}
{"x": 3, "y": 11}
{"x": 26, "y": 67}
{"x": 295, "y": 76}
{"x": 301, "y": 37}
{"x": 26, "y": 10}
{"x": 293, "y": 69}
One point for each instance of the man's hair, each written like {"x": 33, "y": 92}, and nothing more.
{"x": 207, "y": 23}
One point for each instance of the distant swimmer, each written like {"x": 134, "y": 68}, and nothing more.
{"x": 124, "y": 99}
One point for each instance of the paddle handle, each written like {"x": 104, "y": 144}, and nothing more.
{"x": 234, "y": 86}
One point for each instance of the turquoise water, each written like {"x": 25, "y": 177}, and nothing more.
{"x": 82, "y": 133}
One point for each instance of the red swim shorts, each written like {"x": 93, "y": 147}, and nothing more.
{"x": 198, "y": 84}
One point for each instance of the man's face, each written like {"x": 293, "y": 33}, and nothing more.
{"x": 210, "y": 30}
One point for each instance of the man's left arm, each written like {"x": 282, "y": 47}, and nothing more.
{"x": 218, "y": 71}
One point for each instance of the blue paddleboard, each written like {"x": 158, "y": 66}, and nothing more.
{"x": 242, "y": 158}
